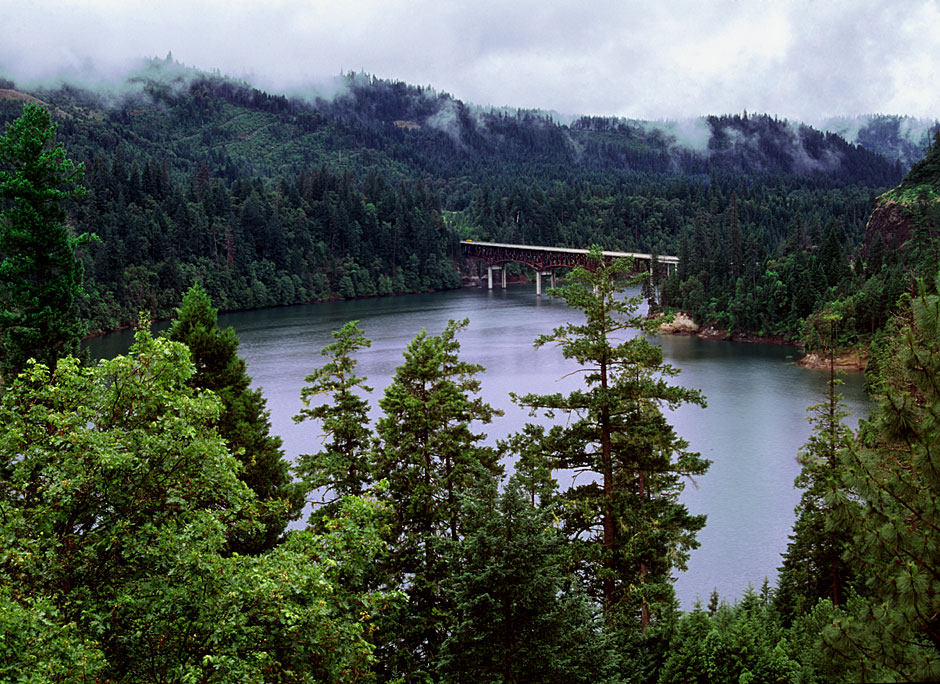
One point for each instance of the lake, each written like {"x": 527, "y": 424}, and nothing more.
{"x": 751, "y": 430}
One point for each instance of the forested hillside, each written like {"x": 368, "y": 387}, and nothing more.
{"x": 272, "y": 199}
{"x": 144, "y": 505}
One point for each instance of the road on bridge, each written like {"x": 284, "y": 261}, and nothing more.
{"x": 545, "y": 259}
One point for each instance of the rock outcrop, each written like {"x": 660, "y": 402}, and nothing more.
{"x": 681, "y": 324}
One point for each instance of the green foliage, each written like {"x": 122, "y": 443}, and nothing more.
{"x": 121, "y": 506}
{"x": 244, "y": 422}
{"x": 813, "y": 565}
{"x": 627, "y": 526}
{"x": 520, "y": 617}
{"x": 118, "y": 500}
{"x": 40, "y": 276}
{"x": 805, "y": 645}
{"x": 925, "y": 172}
{"x": 893, "y": 469}
{"x": 741, "y": 643}
{"x": 39, "y": 646}
{"x": 344, "y": 467}
{"x": 272, "y": 200}
{"x": 430, "y": 455}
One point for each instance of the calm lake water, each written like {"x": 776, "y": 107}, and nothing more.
{"x": 751, "y": 430}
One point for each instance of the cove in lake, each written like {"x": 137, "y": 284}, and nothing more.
{"x": 751, "y": 430}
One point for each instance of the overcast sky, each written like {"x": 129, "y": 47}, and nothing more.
{"x": 652, "y": 59}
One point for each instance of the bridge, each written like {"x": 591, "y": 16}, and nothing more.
{"x": 545, "y": 259}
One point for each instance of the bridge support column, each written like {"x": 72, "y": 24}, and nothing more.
{"x": 538, "y": 280}
{"x": 489, "y": 276}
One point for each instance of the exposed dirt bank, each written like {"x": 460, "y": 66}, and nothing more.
{"x": 682, "y": 324}
{"x": 853, "y": 360}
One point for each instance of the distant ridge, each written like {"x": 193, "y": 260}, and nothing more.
{"x": 361, "y": 122}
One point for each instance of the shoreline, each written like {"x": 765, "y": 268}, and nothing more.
{"x": 682, "y": 324}
{"x": 163, "y": 319}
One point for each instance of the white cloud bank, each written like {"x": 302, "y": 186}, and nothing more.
{"x": 800, "y": 59}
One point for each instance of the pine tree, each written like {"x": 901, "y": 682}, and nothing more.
{"x": 521, "y": 617}
{"x": 629, "y": 528}
{"x": 893, "y": 473}
{"x": 739, "y": 643}
{"x": 244, "y": 422}
{"x": 430, "y": 455}
{"x": 344, "y": 466}
{"x": 813, "y": 567}
{"x": 40, "y": 276}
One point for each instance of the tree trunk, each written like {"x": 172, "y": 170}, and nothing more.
{"x": 608, "y": 475}
{"x": 644, "y": 610}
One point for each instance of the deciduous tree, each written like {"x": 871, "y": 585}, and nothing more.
{"x": 116, "y": 510}
{"x": 244, "y": 421}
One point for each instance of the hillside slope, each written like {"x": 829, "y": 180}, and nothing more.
{"x": 409, "y": 132}
{"x": 907, "y": 217}
{"x": 271, "y": 199}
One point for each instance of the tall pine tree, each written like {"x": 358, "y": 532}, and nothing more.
{"x": 813, "y": 566}
{"x": 628, "y": 528}
{"x": 892, "y": 475}
{"x": 344, "y": 466}
{"x": 40, "y": 276}
{"x": 430, "y": 454}
{"x": 244, "y": 422}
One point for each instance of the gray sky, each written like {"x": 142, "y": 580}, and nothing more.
{"x": 653, "y": 59}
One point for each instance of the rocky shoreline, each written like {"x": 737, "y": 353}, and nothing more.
{"x": 682, "y": 324}
{"x": 853, "y": 361}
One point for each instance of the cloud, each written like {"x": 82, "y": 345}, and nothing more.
{"x": 676, "y": 59}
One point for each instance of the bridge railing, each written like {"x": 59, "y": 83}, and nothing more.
{"x": 545, "y": 259}
{"x": 492, "y": 253}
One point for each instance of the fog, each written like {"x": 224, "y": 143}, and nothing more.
{"x": 675, "y": 60}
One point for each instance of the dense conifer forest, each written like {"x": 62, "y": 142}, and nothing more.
{"x": 144, "y": 504}
{"x": 269, "y": 200}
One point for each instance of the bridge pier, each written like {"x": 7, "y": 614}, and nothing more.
{"x": 489, "y": 276}
{"x": 545, "y": 259}
{"x": 538, "y": 280}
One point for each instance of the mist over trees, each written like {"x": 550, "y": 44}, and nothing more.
{"x": 144, "y": 503}
{"x": 267, "y": 199}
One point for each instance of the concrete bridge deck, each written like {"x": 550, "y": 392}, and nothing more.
{"x": 545, "y": 259}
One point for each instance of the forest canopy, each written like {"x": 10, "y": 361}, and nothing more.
{"x": 145, "y": 506}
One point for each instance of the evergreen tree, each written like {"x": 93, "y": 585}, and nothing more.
{"x": 520, "y": 617}
{"x": 40, "y": 276}
{"x": 627, "y": 525}
{"x": 344, "y": 466}
{"x": 893, "y": 472}
{"x": 430, "y": 455}
{"x": 244, "y": 421}
{"x": 813, "y": 567}
{"x": 740, "y": 643}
